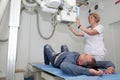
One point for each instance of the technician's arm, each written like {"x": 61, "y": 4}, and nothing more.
{"x": 77, "y": 33}
{"x": 86, "y": 30}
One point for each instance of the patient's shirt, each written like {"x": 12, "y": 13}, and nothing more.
{"x": 70, "y": 57}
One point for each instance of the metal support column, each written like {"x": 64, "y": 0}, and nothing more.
{"x": 14, "y": 19}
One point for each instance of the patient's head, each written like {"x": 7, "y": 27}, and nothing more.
{"x": 86, "y": 60}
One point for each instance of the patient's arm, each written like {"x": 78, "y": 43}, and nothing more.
{"x": 94, "y": 72}
{"x": 75, "y": 32}
{"x": 73, "y": 69}
{"x": 108, "y": 65}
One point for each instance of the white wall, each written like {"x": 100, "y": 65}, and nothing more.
{"x": 115, "y": 29}
{"x": 30, "y": 44}
{"x": 32, "y": 52}
{"x": 110, "y": 18}
{"x": 4, "y": 31}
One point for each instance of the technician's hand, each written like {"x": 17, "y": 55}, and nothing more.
{"x": 69, "y": 24}
{"x": 77, "y": 21}
{"x": 98, "y": 72}
{"x": 109, "y": 70}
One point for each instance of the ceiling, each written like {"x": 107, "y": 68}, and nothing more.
{"x": 91, "y": 4}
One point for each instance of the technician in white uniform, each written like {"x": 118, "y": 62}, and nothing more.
{"x": 93, "y": 35}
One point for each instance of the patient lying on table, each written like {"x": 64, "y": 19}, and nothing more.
{"x": 74, "y": 63}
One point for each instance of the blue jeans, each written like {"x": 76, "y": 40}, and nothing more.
{"x": 49, "y": 53}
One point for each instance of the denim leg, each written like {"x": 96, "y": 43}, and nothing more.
{"x": 64, "y": 48}
{"x": 48, "y": 54}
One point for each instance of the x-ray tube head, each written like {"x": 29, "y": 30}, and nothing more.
{"x": 52, "y": 3}
{"x": 68, "y": 4}
{"x": 29, "y": 5}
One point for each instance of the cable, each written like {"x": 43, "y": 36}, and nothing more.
{"x": 3, "y": 40}
{"x": 53, "y": 20}
{"x": 38, "y": 28}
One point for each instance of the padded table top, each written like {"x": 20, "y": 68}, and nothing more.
{"x": 57, "y": 72}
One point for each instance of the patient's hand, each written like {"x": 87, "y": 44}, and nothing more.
{"x": 109, "y": 70}
{"x": 98, "y": 72}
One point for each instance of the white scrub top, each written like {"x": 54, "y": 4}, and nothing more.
{"x": 94, "y": 44}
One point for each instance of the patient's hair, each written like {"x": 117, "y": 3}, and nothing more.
{"x": 93, "y": 61}
{"x": 91, "y": 64}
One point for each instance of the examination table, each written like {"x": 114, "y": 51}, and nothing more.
{"x": 48, "y": 72}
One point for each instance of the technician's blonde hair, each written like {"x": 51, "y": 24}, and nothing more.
{"x": 96, "y": 16}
